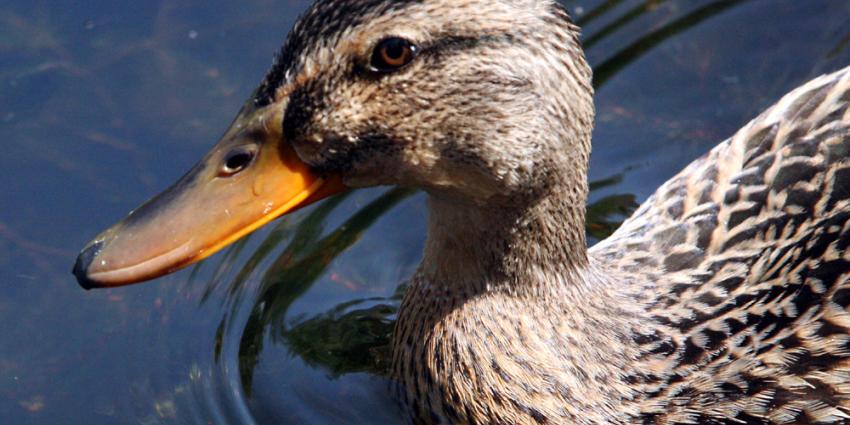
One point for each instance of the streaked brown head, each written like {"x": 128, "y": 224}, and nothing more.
{"x": 483, "y": 101}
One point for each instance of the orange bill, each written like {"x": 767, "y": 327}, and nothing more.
{"x": 251, "y": 177}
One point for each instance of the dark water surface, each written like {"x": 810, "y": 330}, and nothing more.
{"x": 104, "y": 104}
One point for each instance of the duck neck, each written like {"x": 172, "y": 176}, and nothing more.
{"x": 506, "y": 246}
{"x": 507, "y": 301}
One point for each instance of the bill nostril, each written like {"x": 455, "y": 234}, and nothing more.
{"x": 83, "y": 264}
{"x": 237, "y": 161}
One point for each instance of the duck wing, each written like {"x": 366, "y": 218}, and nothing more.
{"x": 742, "y": 260}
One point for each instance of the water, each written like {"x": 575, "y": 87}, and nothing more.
{"x": 106, "y": 103}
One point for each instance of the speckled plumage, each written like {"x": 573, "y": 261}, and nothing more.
{"x": 746, "y": 252}
{"x": 722, "y": 300}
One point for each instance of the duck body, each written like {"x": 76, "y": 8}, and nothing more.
{"x": 724, "y": 299}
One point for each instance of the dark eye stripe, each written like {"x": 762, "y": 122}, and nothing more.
{"x": 455, "y": 43}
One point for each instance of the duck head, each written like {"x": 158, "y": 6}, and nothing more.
{"x": 478, "y": 101}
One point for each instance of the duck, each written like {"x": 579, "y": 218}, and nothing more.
{"x": 723, "y": 299}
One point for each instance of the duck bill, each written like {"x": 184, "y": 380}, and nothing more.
{"x": 209, "y": 208}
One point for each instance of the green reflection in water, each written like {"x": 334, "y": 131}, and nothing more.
{"x": 613, "y": 65}
{"x": 292, "y": 273}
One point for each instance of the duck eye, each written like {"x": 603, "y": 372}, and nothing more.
{"x": 236, "y": 161}
{"x": 392, "y": 53}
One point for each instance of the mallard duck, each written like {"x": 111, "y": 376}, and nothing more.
{"x": 723, "y": 299}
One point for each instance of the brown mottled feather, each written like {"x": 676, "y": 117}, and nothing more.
{"x": 745, "y": 255}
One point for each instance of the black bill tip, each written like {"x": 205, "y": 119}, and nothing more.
{"x": 83, "y": 264}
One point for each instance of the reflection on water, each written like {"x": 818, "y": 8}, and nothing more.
{"x": 104, "y": 104}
